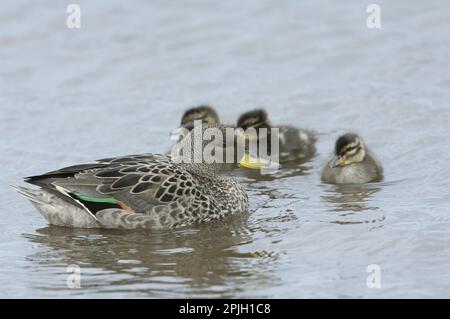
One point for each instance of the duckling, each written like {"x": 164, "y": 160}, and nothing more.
{"x": 205, "y": 113}
{"x": 139, "y": 191}
{"x": 352, "y": 163}
{"x": 294, "y": 143}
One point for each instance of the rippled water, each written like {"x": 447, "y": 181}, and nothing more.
{"x": 118, "y": 86}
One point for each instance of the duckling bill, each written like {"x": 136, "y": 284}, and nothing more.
{"x": 352, "y": 163}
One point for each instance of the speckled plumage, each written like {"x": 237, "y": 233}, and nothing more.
{"x": 147, "y": 191}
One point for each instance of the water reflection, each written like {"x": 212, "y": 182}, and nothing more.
{"x": 210, "y": 260}
{"x": 352, "y": 203}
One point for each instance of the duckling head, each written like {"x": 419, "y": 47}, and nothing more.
{"x": 256, "y": 118}
{"x": 205, "y": 113}
{"x": 349, "y": 149}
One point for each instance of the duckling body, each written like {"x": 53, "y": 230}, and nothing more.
{"x": 367, "y": 171}
{"x": 136, "y": 191}
{"x": 352, "y": 163}
{"x": 294, "y": 143}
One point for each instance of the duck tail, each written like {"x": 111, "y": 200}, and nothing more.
{"x": 57, "y": 209}
{"x": 33, "y": 195}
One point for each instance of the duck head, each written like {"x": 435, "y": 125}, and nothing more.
{"x": 349, "y": 149}
{"x": 213, "y": 147}
{"x": 256, "y": 118}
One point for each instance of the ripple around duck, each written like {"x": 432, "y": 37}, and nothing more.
{"x": 155, "y": 254}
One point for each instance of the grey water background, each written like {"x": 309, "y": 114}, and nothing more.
{"x": 119, "y": 85}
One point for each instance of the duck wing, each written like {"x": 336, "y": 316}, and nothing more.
{"x": 141, "y": 183}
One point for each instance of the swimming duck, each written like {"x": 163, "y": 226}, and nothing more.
{"x": 205, "y": 113}
{"x": 137, "y": 191}
{"x": 352, "y": 163}
{"x": 294, "y": 143}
